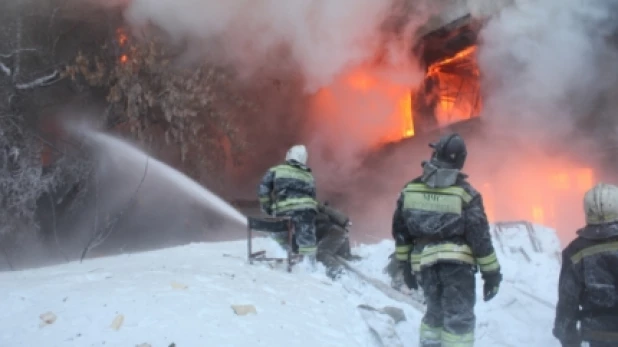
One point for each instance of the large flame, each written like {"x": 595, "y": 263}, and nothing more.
{"x": 368, "y": 108}
{"x": 545, "y": 189}
{"x": 457, "y": 87}
{"x": 548, "y": 195}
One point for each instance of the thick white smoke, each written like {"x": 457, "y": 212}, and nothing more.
{"x": 319, "y": 42}
{"x": 321, "y": 37}
{"x": 547, "y": 67}
{"x": 546, "y": 64}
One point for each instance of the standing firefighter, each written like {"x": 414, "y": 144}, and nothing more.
{"x": 588, "y": 285}
{"x": 441, "y": 234}
{"x": 289, "y": 190}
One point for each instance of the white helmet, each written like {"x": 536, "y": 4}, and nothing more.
{"x": 601, "y": 204}
{"x": 297, "y": 153}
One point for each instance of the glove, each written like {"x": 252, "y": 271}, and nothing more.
{"x": 572, "y": 340}
{"x": 491, "y": 285}
{"x": 408, "y": 276}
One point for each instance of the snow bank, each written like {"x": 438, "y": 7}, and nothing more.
{"x": 522, "y": 314}
{"x": 184, "y": 295}
{"x": 181, "y": 295}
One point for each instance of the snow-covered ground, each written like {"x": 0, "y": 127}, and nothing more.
{"x": 185, "y": 295}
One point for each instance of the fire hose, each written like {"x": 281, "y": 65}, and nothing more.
{"x": 379, "y": 285}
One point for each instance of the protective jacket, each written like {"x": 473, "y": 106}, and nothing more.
{"x": 588, "y": 287}
{"x": 286, "y": 188}
{"x": 440, "y": 218}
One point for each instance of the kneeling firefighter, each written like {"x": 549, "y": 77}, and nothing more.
{"x": 288, "y": 190}
{"x": 442, "y": 236}
{"x": 588, "y": 283}
{"x": 332, "y": 235}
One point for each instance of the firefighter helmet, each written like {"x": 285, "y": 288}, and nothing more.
{"x": 601, "y": 204}
{"x": 450, "y": 150}
{"x": 297, "y": 153}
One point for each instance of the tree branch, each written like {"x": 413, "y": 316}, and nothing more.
{"x": 35, "y": 134}
{"x": 41, "y": 81}
{"x": 17, "y": 51}
{"x": 17, "y": 67}
{"x": 99, "y": 237}
{"x": 54, "y": 226}
{"x": 5, "y": 69}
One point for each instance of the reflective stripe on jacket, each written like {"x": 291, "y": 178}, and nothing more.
{"x": 293, "y": 189}
{"x": 443, "y": 208}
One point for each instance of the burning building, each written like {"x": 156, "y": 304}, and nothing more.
{"x": 518, "y": 181}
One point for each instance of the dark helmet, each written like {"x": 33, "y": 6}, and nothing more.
{"x": 450, "y": 150}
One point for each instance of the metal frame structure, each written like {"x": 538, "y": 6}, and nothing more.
{"x": 271, "y": 225}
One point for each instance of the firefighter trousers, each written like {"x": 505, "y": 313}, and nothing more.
{"x": 329, "y": 247}
{"x": 449, "y": 291}
{"x": 601, "y": 344}
{"x": 304, "y": 229}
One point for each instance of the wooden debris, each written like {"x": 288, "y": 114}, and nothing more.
{"x": 395, "y": 313}
{"x": 243, "y": 310}
{"x": 117, "y": 323}
{"x": 47, "y": 318}
{"x": 179, "y": 286}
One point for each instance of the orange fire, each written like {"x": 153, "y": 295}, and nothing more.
{"x": 456, "y": 97}
{"x": 549, "y": 195}
{"x": 456, "y": 87}
{"x": 365, "y": 107}
{"x": 122, "y": 39}
{"x": 546, "y": 191}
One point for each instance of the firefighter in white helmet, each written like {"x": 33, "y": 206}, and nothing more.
{"x": 588, "y": 285}
{"x": 289, "y": 189}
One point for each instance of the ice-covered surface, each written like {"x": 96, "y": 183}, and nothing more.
{"x": 513, "y": 318}
{"x": 184, "y": 295}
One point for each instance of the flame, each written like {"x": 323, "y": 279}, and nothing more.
{"x": 545, "y": 191}
{"x": 457, "y": 87}
{"x": 540, "y": 194}
{"x": 538, "y": 215}
{"x": 122, "y": 39}
{"x": 366, "y": 105}
{"x": 457, "y": 97}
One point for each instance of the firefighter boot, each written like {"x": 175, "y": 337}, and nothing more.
{"x": 430, "y": 336}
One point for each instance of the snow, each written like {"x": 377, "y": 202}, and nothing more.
{"x": 184, "y": 295}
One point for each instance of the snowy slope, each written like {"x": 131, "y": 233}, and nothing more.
{"x": 513, "y": 318}
{"x": 183, "y": 295}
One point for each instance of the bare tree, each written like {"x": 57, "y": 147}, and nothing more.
{"x": 195, "y": 109}
{"x": 36, "y": 42}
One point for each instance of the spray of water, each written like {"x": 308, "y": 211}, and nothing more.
{"x": 173, "y": 177}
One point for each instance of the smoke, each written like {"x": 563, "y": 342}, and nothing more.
{"x": 549, "y": 72}
{"x": 326, "y": 45}
{"x": 321, "y": 38}
{"x": 549, "y": 76}
{"x": 549, "y": 69}
{"x": 548, "y": 64}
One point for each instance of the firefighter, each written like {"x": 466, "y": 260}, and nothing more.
{"x": 288, "y": 190}
{"x": 588, "y": 284}
{"x": 333, "y": 241}
{"x": 442, "y": 237}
